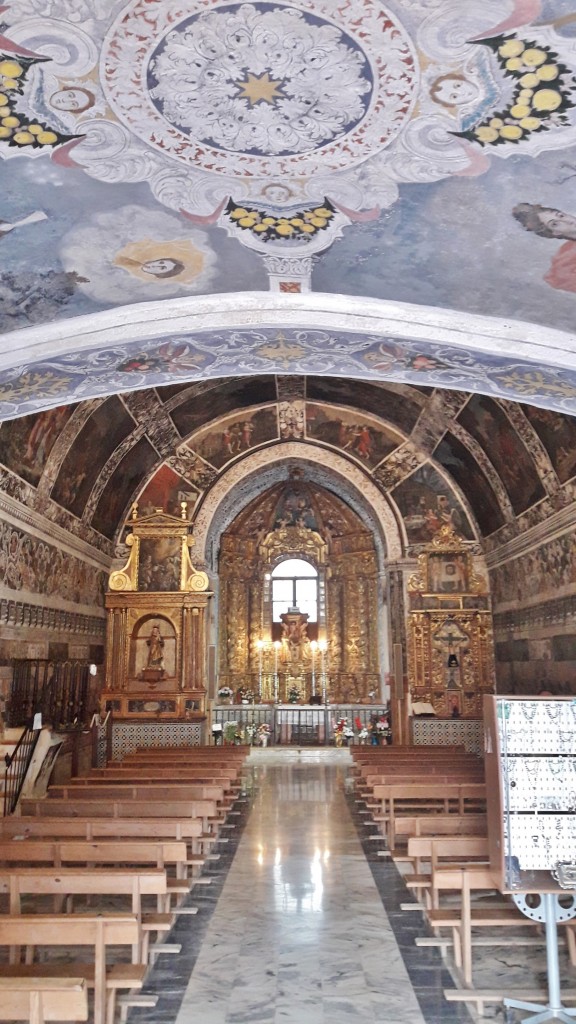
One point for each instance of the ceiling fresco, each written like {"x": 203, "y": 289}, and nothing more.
{"x": 409, "y": 151}
{"x": 438, "y": 457}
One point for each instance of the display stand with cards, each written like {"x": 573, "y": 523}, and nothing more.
{"x": 530, "y": 754}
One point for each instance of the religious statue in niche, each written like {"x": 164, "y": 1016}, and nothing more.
{"x": 295, "y": 640}
{"x": 155, "y": 649}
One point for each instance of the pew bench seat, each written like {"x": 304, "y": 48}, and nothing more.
{"x": 37, "y": 999}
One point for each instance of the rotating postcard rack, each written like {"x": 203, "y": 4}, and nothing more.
{"x": 530, "y": 757}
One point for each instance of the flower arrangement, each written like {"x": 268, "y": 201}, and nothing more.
{"x": 264, "y": 734}
{"x": 225, "y": 692}
{"x": 343, "y": 732}
{"x": 293, "y": 695}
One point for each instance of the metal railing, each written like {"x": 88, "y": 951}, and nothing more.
{"x": 59, "y": 690}
{"x": 290, "y": 724}
{"x": 17, "y": 765}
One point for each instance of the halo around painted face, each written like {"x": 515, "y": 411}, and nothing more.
{"x": 74, "y": 100}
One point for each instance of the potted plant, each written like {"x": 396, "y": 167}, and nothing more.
{"x": 225, "y": 694}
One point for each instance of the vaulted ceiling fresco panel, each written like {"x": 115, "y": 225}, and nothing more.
{"x": 122, "y": 486}
{"x": 461, "y": 465}
{"x": 26, "y": 443}
{"x": 427, "y": 502}
{"x": 400, "y": 408}
{"x": 223, "y": 397}
{"x": 558, "y": 435}
{"x": 487, "y": 422}
{"x": 108, "y": 426}
{"x": 435, "y": 472}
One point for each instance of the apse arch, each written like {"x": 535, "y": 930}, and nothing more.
{"x": 256, "y": 473}
{"x": 213, "y": 336}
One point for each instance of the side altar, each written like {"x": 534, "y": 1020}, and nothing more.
{"x": 156, "y": 624}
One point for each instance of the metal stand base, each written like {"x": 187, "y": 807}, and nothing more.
{"x": 567, "y": 1016}
{"x": 547, "y": 912}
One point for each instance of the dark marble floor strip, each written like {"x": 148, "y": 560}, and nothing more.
{"x": 169, "y": 977}
{"x": 426, "y": 969}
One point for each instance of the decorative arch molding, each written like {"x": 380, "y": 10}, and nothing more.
{"x": 258, "y": 472}
{"x": 196, "y": 338}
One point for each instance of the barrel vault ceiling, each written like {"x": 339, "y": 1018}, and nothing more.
{"x": 228, "y": 227}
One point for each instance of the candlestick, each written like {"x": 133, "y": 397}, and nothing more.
{"x": 323, "y": 645}
{"x": 276, "y": 649}
{"x": 313, "y": 649}
{"x": 260, "y": 646}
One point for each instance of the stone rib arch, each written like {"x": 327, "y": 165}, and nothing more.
{"x": 259, "y": 471}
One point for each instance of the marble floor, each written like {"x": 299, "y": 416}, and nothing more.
{"x": 303, "y": 919}
{"x": 301, "y": 924}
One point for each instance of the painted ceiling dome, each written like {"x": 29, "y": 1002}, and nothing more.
{"x": 297, "y": 502}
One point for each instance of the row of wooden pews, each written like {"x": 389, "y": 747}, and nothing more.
{"x": 398, "y": 781}
{"x": 93, "y": 877}
{"x": 430, "y": 805}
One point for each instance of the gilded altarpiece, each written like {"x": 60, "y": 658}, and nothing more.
{"x": 450, "y": 639}
{"x": 338, "y": 655}
{"x": 156, "y": 624}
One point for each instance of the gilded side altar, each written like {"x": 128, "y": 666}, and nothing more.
{"x": 156, "y": 636}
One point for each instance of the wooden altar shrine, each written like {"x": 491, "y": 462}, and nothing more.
{"x": 156, "y": 618}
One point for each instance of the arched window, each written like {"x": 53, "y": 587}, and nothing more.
{"x": 295, "y": 585}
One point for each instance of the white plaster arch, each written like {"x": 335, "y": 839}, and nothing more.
{"x": 379, "y": 318}
{"x": 281, "y": 455}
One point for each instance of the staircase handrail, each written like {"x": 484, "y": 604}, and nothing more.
{"x": 17, "y": 765}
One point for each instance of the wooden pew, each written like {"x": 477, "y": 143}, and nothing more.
{"x": 149, "y": 773}
{"x": 461, "y": 920}
{"x": 438, "y": 850}
{"x": 445, "y": 797}
{"x": 90, "y": 828}
{"x": 65, "y": 883}
{"x": 134, "y": 791}
{"x": 441, "y": 824}
{"x": 95, "y": 933}
{"x": 205, "y": 810}
{"x": 60, "y": 852}
{"x": 42, "y": 999}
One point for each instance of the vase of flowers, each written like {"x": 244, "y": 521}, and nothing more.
{"x": 264, "y": 734}
{"x": 225, "y": 695}
{"x": 343, "y": 732}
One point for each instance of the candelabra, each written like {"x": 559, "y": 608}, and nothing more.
{"x": 313, "y": 649}
{"x": 260, "y": 648}
{"x": 323, "y": 646}
{"x": 277, "y": 646}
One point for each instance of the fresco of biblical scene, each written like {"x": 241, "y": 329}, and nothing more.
{"x": 108, "y": 426}
{"x": 397, "y": 409}
{"x": 166, "y": 490}
{"x": 160, "y": 564}
{"x": 26, "y": 443}
{"x": 205, "y": 404}
{"x": 558, "y": 435}
{"x": 114, "y": 502}
{"x": 490, "y": 426}
{"x": 295, "y": 509}
{"x": 345, "y": 430}
{"x": 457, "y": 460}
{"x": 236, "y": 436}
{"x": 426, "y": 503}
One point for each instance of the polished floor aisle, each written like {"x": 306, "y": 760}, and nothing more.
{"x": 295, "y": 929}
